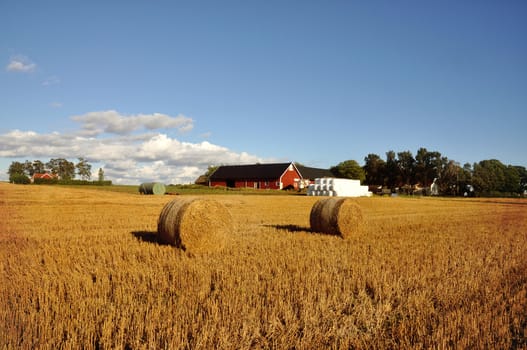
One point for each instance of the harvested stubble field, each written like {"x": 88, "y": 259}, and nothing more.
{"x": 80, "y": 268}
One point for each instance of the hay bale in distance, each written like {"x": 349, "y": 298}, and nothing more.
{"x": 336, "y": 216}
{"x": 195, "y": 224}
{"x": 152, "y": 188}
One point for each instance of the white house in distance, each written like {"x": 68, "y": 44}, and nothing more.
{"x": 330, "y": 186}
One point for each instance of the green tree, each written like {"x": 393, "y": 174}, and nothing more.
{"x": 62, "y": 167}
{"x": 101, "y": 175}
{"x": 448, "y": 178}
{"x": 406, "y": 165}
{"x": 512, "y": 180}
{"x": 20, "y": 179}
{"x": 466, "y": 173}
{"x": 427, "y": 166}
{"x": 28, "y": 167}
{"x": 349, "y": 169}
{"x": 53, "y": 166}
{"x": 210, "y": 170}
{"x": 39, "y": 167}
{"x": 83, "y": 169}
{"x": 489, "y": 176}
{"x": 374, "y": 168}
{"x": 421, "y": 174}
{"x": 67, "y": 169}
{"x": 522, "y": 173}
{"x": 464, "y": 178}
{"x": 15, "y": 171}
{"x": 392, "y": 174}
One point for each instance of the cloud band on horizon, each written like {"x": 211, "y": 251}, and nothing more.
{"x": 127, "y": 146}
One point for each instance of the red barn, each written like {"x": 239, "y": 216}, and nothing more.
{"x": 262, "y": 176}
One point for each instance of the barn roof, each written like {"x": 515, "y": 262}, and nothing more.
{"x": 253, "y": 171}
{"x": 265, "y": 172}
{"x": 313, "y": 173}
{"x": 44, "y": 176}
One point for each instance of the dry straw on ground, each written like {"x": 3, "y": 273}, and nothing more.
{"x": 427, "y": 273}
{"x": 336, "y": 216}
{"x": 194, "y": 224}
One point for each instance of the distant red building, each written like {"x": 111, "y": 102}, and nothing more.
{"x": 45, "y": 176}
{"x": 265, "y": 176}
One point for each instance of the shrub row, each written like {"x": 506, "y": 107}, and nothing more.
{"x": 71, "y": 182}
{"x": 19, "y": 179}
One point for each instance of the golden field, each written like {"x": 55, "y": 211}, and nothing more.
{"x": 81, "y": 268}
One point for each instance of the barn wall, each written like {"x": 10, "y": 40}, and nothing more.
{"x": 245, "y": 184}
{"x": 260, "y": 184}
{"x": 274, "y": 184}
{"x": 288, "y": 178}
{"x": 242, "y": 184}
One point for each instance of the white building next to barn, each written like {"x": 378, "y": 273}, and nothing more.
{"x": 330, "y": 186}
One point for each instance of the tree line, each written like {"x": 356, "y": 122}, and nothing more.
{"x": 403, "y": 172}
{"x": 61, "y": 168}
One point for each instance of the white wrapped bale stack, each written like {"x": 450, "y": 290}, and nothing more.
{"x": 338, "y": 188}
{"x": 312, "y": 189}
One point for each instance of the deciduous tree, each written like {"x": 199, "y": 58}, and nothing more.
{"x": 489, "y": 176}
{"x": 62, "y": 167}
{"x": 448, "y": 179}
{"x": 29, "y": 169}
{"x": 406, "y": 165}
{"x": 374, "y": 168}
{"x": 15, "y": 171}
{"x": 349, "y": 169}
{"x": 83, "y": 169}
{"x": 391, "y": 170}
{"x": 101, "y": 175}
{"x": 39, "y": 167}
{"x": 427, "y": 166}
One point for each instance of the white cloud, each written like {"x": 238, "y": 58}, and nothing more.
{"x": 112, "y": 122}
{"x": 20, "y": 64}
{"x": 52, "y": 80}
{"x": 55, "y": 104}
{"x": 127, "y": 158}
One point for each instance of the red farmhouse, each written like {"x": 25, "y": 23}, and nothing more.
{"x": 265, "y": 176}
{"x": 45, "y": 176}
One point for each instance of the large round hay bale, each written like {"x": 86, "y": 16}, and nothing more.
{"x": 152, "y": 188}
{"x": 195, "y": 224}
{"x": 336, "y": 216}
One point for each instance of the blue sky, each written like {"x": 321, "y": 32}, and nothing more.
{"x": 160, "y": 90}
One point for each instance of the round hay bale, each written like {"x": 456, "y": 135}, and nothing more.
{"x": 152, "y": 188}
{"x": 336, "y": 216}
{"x": 195, "y": 224}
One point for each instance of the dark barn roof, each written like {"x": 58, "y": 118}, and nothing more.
{"x": 313, "y": 173}
{"x": 265, "y": 172}
{"x": 252, "y": 171}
